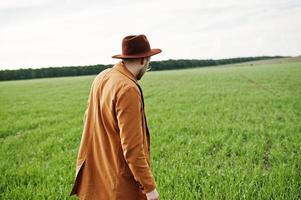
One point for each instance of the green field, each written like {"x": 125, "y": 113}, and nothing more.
{"x": 230, "y": 132}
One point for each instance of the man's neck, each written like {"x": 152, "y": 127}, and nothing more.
{"x": 132, "y": 68}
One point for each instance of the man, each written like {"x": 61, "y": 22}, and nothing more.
{"x": 114, "y": 155}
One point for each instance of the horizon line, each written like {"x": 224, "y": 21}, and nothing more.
{"x": 41, "y": 67}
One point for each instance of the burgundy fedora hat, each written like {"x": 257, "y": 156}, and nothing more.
{"x": 136, "y": 46}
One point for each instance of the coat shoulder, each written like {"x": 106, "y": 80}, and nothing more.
{"x": 120, "y": 82}
{"x": 115, "y": 84}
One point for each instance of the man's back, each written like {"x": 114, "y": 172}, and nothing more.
{"x": 114, "y": 158}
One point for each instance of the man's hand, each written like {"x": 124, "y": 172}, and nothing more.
{"x": 153, "y": 195}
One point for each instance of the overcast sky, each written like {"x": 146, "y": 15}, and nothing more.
{"x": 43, "y": 33}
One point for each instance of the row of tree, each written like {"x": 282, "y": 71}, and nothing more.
{"x": 184, "y": 63}
{"x": 95, "y": 69}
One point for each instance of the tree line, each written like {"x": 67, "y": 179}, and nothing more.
{"x": 30, "y": 73}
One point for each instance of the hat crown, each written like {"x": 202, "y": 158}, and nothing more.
{"x": 135, "y": 44}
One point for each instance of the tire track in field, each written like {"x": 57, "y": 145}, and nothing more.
{"x": 266, "y": 156}
{"x": 268, "y": 143}
{"x": 259, "y": 85}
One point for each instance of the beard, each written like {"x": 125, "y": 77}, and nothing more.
{"x": 141, "y": 72}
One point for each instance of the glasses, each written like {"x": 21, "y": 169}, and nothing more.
{"x": 148, "y": 68}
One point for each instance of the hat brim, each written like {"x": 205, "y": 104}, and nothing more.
{"x": 141, "y": 55}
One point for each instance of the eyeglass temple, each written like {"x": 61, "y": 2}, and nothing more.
{"x": 149, "y": 68}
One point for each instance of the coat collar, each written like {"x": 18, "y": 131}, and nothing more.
{"x": 122, "y": 69}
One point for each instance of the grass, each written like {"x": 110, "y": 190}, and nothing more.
{"x": 217, "y": 133}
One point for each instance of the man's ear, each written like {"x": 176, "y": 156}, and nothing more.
{"x": 141, "y": 61}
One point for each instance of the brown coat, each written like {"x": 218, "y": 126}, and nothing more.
{"x": 114, "y": 155}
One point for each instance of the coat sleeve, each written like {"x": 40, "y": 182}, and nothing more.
{"x": 129, "y": 117}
